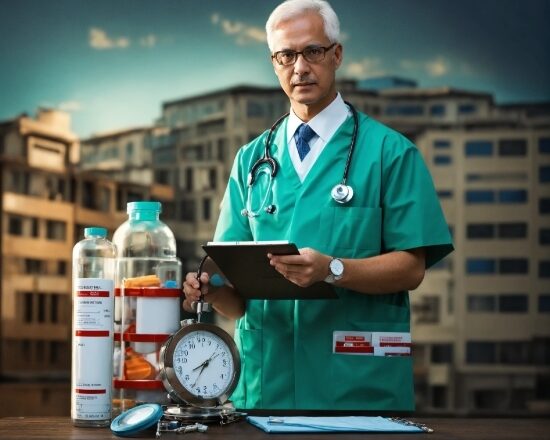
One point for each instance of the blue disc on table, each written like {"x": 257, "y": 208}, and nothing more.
{"x": 136, "y": 419}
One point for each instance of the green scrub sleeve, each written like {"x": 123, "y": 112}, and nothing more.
{"x": 232, "y": 225}
{"x": 412, "y": 214}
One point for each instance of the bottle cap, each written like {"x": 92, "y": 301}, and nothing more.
{"x": 95, "y": 231}
{"x": 136, "y": 419}
{"x": 143, "y": 206}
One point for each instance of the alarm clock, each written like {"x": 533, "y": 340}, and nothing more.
{"x": 200, "y": 365}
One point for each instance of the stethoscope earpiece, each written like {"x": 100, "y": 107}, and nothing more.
{"x": 342, "y": 193}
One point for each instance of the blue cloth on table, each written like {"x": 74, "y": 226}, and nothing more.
{"x": 330, "y": 424}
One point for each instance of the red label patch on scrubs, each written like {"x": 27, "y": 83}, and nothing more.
{"x": 372, "y": 343}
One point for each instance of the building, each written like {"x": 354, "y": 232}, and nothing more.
{"x": 491, "y": 167}
{"x": 124, "y": 156}
{"x": 45, "y": 203}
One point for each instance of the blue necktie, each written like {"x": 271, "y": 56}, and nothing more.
{"x": 303, "y": 135}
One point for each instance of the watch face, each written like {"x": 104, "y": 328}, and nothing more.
{"x": 200, "y": 365}
{"x": 203, "y": 364}
{"x": 336, "y": 267}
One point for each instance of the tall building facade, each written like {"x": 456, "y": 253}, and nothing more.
{"x": 481, "y": 318}
{"x": 45, "y": 203}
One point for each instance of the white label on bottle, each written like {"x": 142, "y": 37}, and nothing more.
{"x": 92, "y": 349}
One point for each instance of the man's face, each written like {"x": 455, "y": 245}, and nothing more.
{"x": 310, "y": 86}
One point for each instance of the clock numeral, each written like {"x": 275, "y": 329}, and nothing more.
{"x": 186, "y": 353}
{"x": 224, "y": 362}
{"x": 184, "y": 360}
{"x": 186, "y": 378}
{"x": 179, "y": 370}
{"x": 222, "y": 376}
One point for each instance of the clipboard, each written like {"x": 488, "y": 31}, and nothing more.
{"x": 246, "y": 266}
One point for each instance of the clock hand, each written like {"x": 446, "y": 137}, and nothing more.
{"x": 206, "y": 361}
{"x": 203, "y": 366}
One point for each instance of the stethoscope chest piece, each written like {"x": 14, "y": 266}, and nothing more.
{"x": 342, "y": 193}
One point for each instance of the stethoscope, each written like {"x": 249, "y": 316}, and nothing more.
{"x": 340, "y": 193}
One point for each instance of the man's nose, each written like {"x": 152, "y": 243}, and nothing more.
{"x": 301, "y": 66}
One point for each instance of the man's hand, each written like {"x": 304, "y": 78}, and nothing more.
{"x": 192, "y": 289}
{"x": 305, "y": 269}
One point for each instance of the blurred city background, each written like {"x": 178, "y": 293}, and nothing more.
{"x": 106, "y": 102}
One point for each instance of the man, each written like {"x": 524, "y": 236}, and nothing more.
{"x": 374, "y": 248}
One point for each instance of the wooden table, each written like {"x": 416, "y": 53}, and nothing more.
{"x": 59, "y": 428}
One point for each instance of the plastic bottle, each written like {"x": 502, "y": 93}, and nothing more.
{"x": 94, "y": 265}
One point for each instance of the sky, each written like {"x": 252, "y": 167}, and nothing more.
{"x": 112, "y": 63}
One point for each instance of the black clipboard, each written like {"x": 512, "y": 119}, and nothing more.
{"x": 247, "y": 268}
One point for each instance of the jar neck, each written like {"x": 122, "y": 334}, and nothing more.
{"x": 144, "y": 215}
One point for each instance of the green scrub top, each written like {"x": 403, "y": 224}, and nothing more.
{"x": 287, "y": 345}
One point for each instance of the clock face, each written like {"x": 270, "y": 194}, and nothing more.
{"x": 200, "y": 365}
{"x": 203, "y": 364}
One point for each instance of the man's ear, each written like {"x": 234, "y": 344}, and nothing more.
{"x": 338, "y": 55}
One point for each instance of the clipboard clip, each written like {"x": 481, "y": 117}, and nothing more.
{"x": 201, "y": 306}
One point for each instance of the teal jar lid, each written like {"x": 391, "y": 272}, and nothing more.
{"x": 95, "y": 232}
{"x": 143, "y": 206}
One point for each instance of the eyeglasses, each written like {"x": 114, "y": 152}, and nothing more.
{"x": 312, "y": 54}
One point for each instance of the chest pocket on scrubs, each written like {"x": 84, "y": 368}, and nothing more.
{"x": 352, "y": 231}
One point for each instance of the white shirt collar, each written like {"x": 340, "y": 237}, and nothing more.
{"x": 325, "y": 123}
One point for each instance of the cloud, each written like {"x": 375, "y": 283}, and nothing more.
{"x": 98, "y": 39}
{"x": 439, "y": 66}
{"x": 70, "y": 106}
{"x": 148, "y": 41}
{"x": 367, "y": 67}
{"x": 242, "y": 32}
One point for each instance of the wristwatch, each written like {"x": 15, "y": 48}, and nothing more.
{"x": 335, "y": 269}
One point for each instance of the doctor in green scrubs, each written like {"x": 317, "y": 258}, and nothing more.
{"x": 374, "y": 248}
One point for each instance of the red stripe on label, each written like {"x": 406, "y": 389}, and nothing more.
{"x": 84, "y": 391}
{"x": 354, "y": 349}
{"x": 397, "y": 354}
{"x": 92, "y": 333}
{"x": 93, "y": 293}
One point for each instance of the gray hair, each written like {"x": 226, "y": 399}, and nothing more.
{"x": 292, "y": 8}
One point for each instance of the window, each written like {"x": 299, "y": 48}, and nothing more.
{"x": 480, "y": 266}
{"x": 28, "y": 307}
{"x": 512, "y": 147}
{"x": 479, "y": 148}
{"x": 445, "y": 193}
{"x": 513, "y": 266}
{"x": 405, "y": 110}
{"x": 442, "y": 354}
{"x": 61, "y": 267}
{"x": 544, "y": 145}
{"x": 212, "y": 178}
{"x": 480, "y": 230}
{"x": 55, "y": 230}
{"x": 442, "y": 143}
{"x": 512, "y": 196}
{"x": 544, "y": 205}
{"x": 544, "y": 303}
{"x": 480, "y": 196}
{"x": 41, "y": 308}
{"x": 481, "y": 352}
{"x": 189, "y": 179}
{"x": 206, "y": 209}
{"x": 466, "y": 109}
{"x": 33, "y": 267}
{"x": 544, "y": 269}
{"x": 54, "y": 308}
{"x": 512, "y": 230}
{"x": 516, "y": 352}
{"x": 187, "y": 208}
{"x": 15, "y": 225}
{"x": 437, "y": 110}
{"x": 481, "y": 303}
{"x": 442, "y": 159}
{"x": 541, "y": 351}
{"x": 513, "y": 303}
{"x": 544, "y": 236}
{"x": 544, "y": 174}
{"x": 427, "y": 310}
{"x": 129, "y": 150}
